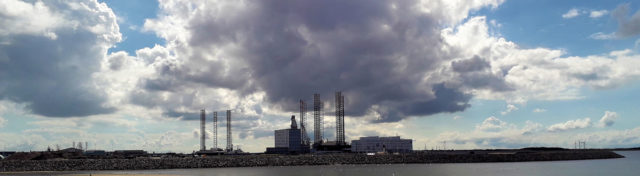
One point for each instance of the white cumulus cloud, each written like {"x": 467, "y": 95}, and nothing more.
{"x": 510, "y": 108}
{"x": 537, "y": 73}
{"x": 36, "y": 18}
{"x": 570, "y": 125}
{"x": 571, "y": 13}
{"x": 602, "y": 36}
{"x": 608, "y": 119}
{"x": 598, "y": 13}
{"x": 492, "y": 124}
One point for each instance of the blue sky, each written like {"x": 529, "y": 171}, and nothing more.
{"x": 548, "y": 29}
{"x": 491, "y": 74}
{"x": 131, "y": 16}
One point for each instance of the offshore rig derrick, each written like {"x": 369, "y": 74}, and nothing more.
{"x": 319, "y": 144}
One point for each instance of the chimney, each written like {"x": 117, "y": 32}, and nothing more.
{"x": 294, "y": 125}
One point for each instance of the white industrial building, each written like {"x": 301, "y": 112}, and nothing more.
{"x": 289, "y": 138}
{"x": 288, "y": 141}
{"x": 390, "y": 144}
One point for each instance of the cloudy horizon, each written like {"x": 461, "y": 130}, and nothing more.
{"x": 481, "y": 74}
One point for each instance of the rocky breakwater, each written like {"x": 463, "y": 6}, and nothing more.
{"x": 293, "y": 160}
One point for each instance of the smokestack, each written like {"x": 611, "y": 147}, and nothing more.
{"x": 202, "y": 132}
{"x": 294, "y": 125}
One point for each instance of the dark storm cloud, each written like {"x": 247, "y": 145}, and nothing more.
{"x": 384, "y": 55}
{"x": 475, "y": 73}
{"x": 52, "y": 77}
{"x": 447, "y": 100}
{"x": 627, "y": 26}
{"x": 469, "y": 65}
{"x": 172, "y": 76}
{"x": 347, "y": 48}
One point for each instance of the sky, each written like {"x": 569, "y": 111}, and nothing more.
{"x": 477, "y": 74}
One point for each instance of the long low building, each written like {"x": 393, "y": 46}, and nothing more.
{"x": 391, "y": 144}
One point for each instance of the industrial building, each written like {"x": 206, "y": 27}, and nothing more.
{"x": 290, "y": 138}
{"x": 288, "y": 141}
{"x": 393, "y": 144}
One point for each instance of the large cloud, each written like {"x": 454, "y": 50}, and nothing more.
{"x": 386, "y": 56}
{"x": 392, "y": 59}
{"x": 49, "y": 51}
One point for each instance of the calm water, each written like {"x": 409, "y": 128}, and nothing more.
{"x": 624, "y": 166}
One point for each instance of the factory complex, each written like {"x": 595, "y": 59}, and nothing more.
{"x": 294, "y": 140}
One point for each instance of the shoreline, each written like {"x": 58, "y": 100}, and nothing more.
{"x": 465, "y": 156}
